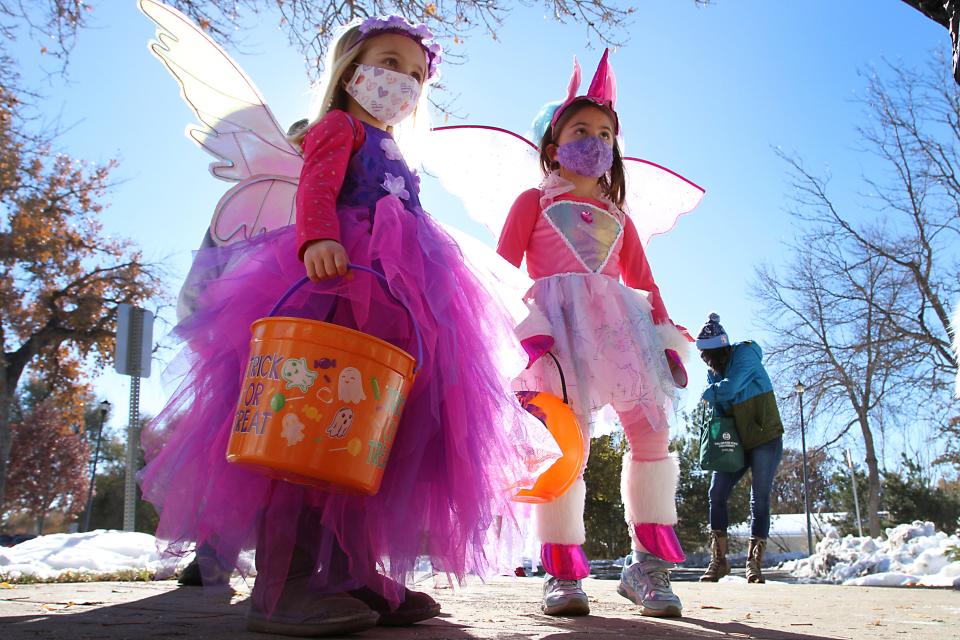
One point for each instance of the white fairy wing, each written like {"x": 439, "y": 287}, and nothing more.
{"x": 502, "y": 280}
{"x": 486, "y": 167}
{"x": 239, "y": 130}
{"x": 657, "y": 197}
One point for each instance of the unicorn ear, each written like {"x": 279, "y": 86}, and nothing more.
{"x": 611, "y": 88}
{"x": 603, "y": 87}
{"x": 574, "y": 85}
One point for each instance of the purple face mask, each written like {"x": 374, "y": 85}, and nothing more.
{"x": 587, "y": 157}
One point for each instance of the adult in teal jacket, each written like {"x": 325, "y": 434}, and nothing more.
{"x": 739, "y": 386}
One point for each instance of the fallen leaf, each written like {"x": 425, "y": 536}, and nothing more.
{"x": 709, "y": 606}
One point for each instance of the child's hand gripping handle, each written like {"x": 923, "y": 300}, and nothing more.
{"x": 413, "y": 321}
{"x": 325, "y": 259}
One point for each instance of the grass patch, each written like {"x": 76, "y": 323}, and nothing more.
{"x": 953, "y": 553}
{"x": 125, "y": 575}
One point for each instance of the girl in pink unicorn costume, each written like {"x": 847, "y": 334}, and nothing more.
{"x": 614, "y": 341}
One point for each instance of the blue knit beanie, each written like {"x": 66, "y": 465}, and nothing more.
{"x": 712, "y": 336}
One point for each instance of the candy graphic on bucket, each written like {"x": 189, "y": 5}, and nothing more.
{"x": 289, "y": 424}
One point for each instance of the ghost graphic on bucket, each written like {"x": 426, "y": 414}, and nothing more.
{"x": 292, "y": 429}
{"x": 297, "y": 375}
{"x": 351, "y": 386}
{"x": 341, "y": 423}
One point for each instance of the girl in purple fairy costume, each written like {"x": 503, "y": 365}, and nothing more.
{"x": 329, "y": 563}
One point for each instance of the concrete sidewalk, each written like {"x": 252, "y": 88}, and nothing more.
{"x": 506, "y": 609}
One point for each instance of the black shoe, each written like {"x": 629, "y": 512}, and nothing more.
{"x": 190, "y": 577}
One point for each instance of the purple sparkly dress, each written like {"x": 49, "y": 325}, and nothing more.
{"x": 455, "y": 450}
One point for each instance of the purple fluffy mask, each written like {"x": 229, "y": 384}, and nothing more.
{"x": 587, "y": 157}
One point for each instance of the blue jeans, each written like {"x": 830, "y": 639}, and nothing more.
{"x": 763, "y": 460}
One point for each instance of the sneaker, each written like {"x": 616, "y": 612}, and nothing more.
{"x": 564, "y": 598}
{"x": 646, "y": 582}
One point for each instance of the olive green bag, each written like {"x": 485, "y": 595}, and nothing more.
{"x": 720, "y": 447}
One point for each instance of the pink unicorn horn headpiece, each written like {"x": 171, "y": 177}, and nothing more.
{"x": 602, "y": 91}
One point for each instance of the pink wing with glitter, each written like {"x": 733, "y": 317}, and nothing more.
{"x": 657, "y": 197}
{"x": 238, "y": 129}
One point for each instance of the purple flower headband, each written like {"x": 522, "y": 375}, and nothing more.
{"x": 398, "y": 24}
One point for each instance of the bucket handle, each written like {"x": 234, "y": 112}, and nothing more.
{"x": 563, "y": 380}
{"x": 413, "y": 321}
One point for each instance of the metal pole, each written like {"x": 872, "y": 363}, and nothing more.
{"x": 133, "y": 448}
{"x": 133, "y": 427}
{"x": 806, "y": 489}
{"x": 856, "y": 500}
{"x": 93, "y": 471}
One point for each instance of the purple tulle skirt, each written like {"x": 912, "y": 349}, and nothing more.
{"x": 455, "y": 455}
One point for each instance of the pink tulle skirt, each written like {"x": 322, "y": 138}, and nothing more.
{"x": 461, "y": 447}
{"x": 605, "y": 342}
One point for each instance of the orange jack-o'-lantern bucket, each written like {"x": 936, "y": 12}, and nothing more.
{"x": 560, "y": 421}
{"x": 320, "y": 403}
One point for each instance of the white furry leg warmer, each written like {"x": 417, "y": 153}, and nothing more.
{"x": 561, "y": 521}
{"x": 649, "y": 490}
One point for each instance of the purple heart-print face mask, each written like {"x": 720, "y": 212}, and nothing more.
{"x": 586, "y": 157}
{"x": 386, "y": 95}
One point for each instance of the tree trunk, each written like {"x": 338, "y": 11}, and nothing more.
{"x": 873, "y": 478}
{"x": 6, "y": 437}
{"x": 947, "y": 14}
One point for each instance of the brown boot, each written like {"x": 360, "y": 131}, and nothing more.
{"x": 300, "y": 612}
{"x": 755, "y": 560}
{"x": 282, "y": 601}
{"x": 718, "y": 566}
{"x": 416, "y": 607}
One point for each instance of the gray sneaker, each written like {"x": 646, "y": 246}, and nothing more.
{"x": 646, "y": 582}
{"x": 564, "y": 598}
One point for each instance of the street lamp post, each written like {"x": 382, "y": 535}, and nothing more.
{"x": 104, "y": 410}
{"x": 803, "y": 449}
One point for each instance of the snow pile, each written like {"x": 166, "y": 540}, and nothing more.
{"x": 912, "y": 555}
{"x": 92, "y": 553}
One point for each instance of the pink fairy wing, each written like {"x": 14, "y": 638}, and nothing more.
{"x": 486, "y": 167}
{"x": 239, "y": 129}
{"x": 256, "y": 205}
{"x": 657, "y": 197}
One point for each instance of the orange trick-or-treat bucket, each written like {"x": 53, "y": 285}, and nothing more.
{"x": 559, "y": 419}
{"x": 320, "y": 403}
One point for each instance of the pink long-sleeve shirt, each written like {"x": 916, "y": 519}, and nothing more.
{"x": 568, "y": 237}
{"x": 327, "y": 148}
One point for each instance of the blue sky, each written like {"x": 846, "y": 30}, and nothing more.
{"x": 708, "y": 92}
